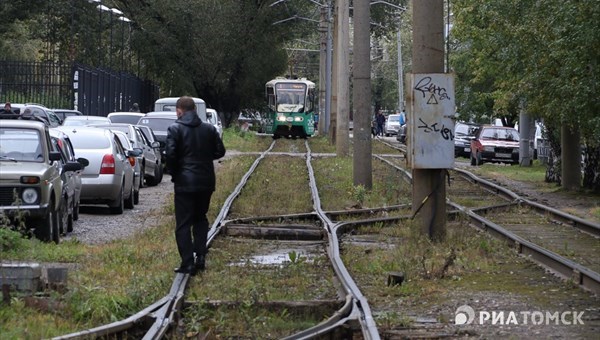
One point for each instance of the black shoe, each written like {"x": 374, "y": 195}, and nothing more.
{"x": 200, "y": 264}
{"x": 186, "y": 270}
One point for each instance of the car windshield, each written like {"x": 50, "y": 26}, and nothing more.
{"x": 393, "y": 118}
{"x": 20, "y": 145}
{"x": 157, "y": 124}
{"x": 500, "y": 134}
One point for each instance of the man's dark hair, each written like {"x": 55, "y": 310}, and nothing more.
{"x": 186, "y": 103}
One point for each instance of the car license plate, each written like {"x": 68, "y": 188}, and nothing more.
{"x": 467, "y": 149}
{"x": 503, "y": 155}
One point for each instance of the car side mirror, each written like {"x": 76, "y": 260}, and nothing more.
{"x": 72, "y": 166}
{"x": 54, "y": 156}
{"x": 83, "y": 161}
{"x": 155, "y": 144}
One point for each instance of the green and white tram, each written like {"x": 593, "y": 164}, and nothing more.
{"x": 291, "y": 108}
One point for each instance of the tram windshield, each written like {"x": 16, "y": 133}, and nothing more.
{"x": 290, "y": 97}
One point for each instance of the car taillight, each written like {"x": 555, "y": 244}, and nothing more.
{"x": 108, "y": 165}
{"x": 132, "y": 161}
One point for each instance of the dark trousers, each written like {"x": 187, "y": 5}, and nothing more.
{"x": 191, "y": 229}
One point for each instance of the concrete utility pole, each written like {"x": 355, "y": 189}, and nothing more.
{"x": 342, "y": 144}
{"x": 362, "y": 95}
{"x": 334, "y": 80}
{"x": 322, "y": 69}
{"x": 428, "y": 57}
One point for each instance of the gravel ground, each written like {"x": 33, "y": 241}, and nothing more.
{"x": 97, "y": 225}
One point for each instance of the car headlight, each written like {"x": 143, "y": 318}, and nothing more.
{"x": 29, "y": 195}
{"x": 488, "y": 148}
{"x": 516, "y": 150}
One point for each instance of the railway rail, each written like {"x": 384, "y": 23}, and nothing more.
{"x": 354, "y": 315}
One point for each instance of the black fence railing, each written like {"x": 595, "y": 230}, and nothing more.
{"x": 93, "y": 91}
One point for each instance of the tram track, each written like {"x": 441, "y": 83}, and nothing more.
{"x": 565, "y": 244}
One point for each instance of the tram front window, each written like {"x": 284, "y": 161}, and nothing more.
{"x": 288, "y": 101}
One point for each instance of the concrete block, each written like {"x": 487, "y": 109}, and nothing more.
{"x": 22, "y": 276}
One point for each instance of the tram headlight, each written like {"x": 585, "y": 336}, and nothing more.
{"x": 281, "y": 119}
{"x": 298, "y": 119}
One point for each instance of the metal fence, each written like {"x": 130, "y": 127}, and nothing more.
{"x": 93, "y": 91}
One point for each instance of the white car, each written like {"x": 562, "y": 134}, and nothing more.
{"x": 392, "y": 125}
{"x": 213, "y": 118}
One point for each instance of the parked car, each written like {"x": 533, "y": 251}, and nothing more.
{"x": 463, "y": 134}
{"x": 135, "y": 163}
{"x": 495, "y": 144}
{"x": 30, "y": 179}
{"x": 159, "y": 123}
{"x": 85, "y": 120}
{"x": 39, "y": 111}
{"x": 151, "y": 137}
{"x": 401, "y": 136}
{"x": 150, "y": 165}
{"x": 392, "y": 125}
{"x": 64, "y": 113}
{"x": 213, "y": 118}
{"x": 71, "y": 189}
{"x": 125, "y": 117}
{"x": 108, "y": 179}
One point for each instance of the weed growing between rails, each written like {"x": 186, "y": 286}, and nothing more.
{"x": 235, "y": 139}
{"x": 334, "y": 179}
{"x": 244, "y": 285}
{"x": 278, "y": 186}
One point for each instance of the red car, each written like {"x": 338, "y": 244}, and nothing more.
{"x": 498, "y": 144}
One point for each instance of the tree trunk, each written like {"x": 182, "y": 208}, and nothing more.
{"x": 571, "y": 157}
{"x": 362, "y": 96}
{"x": 553, "y": 166}
{"x": 334, "y": 81}
{"x": 591, "y": 170}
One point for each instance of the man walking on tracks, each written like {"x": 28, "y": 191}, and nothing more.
{"x": 191, "y": 147}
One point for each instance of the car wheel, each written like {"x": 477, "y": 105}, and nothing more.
{"x": 47, "y": 228}
{"x": 160, "y": 173}
{"x": 153, "y": 181}
{"x": 63, "y": 217}
{"x": 142, "y": 175}
{"x": 76, "y": 212}
{"x": 120, "y": 203}
{"x": 129, "y": 201}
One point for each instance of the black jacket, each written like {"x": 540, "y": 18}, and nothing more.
{"x": 191, "y": 147}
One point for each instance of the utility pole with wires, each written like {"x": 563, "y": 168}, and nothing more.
{"x": 431, "y": 98}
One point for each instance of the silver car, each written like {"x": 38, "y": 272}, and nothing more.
{"x": 150, "y": 164}
{"x": 392, "y": 125}
{"x": 108, "y": 179}
{"x": 135, "y": 162}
